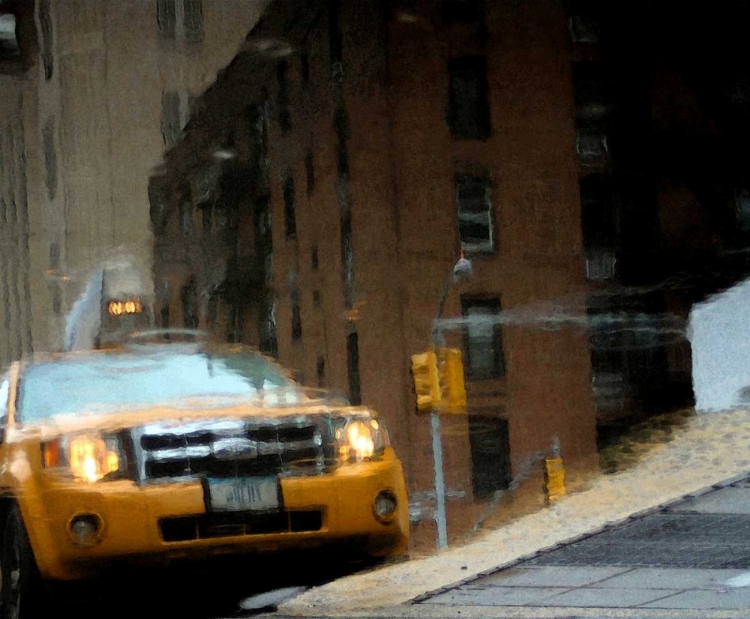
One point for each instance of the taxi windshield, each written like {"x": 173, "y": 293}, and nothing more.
{"x": 105, "y": 383}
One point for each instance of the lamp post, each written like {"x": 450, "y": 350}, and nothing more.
{"x": 461, "y": 270}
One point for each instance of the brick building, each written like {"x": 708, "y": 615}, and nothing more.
{"x": 325, "y": 186}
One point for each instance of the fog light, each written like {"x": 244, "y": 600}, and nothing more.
{"x": 385, "y": 505}
{"x": 85, "y": 529}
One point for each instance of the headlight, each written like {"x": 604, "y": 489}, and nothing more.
{"x": 360, "y": 438}
{"x": 85, "y": 456}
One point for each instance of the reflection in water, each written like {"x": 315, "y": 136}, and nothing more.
{"x": 303, "y": 183}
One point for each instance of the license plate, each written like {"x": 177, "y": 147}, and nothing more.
{"x": 244, "y": 494}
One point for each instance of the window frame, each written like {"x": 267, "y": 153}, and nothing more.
{"x": 498, "y": 370}
{"x": 479, "y": 178}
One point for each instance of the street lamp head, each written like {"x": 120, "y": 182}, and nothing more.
{"x": 462, "y": 269}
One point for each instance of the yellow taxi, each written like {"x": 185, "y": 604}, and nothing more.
{"x": 153, "y": 453}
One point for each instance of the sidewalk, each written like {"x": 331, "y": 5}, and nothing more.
{"x": 712, "y": 449}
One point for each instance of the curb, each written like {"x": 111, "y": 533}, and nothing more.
{"x": 578, "y": 538}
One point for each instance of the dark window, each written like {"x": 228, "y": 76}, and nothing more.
{"x": 352, "y": 366}
{"x": 468, "y": 100}
{"x": 45, "y": 23}
{"x": 490, "y": 455}
{"x": 290, "y": 220}
{"x": 483, "y": 339}
{"x": 54, "y": 263}
{"x": 165, "y": 316}
{"x": 742, "y": 206}
{"x": 461, "y": 11}
{"x": 474, "y": 205}
{"x": 310, "y": 168}
{"x": 296, "y": 316}
{"x": 186, "y": 217}
{"x": 347, "y": 258}
{"x": 170, "y": 117}
{"x": 212, "y": 311}
{"x": 584, "y": 29}
{"x": 207, "y": 220}
{"x": 50, "y": 158}
{"x": 314, "y": 259}
{"x": 304, "y": 67}
{"x": 321, "y": 371}
{"x": 193, "y": 20}
{"x": 285, "y": 115}
{"x": 189, "y": 298}
{"x": 166, "y": 18}
{"x": 592, "y": 148}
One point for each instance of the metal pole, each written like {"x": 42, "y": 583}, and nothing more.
{"x": 437, "y": 457}
{"x": 441, "y": 518}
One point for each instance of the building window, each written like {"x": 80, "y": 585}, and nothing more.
{"x": 321, "y": 371}
{"x": 9, "y": 48}
{"x": 296, "y": 316}
{"x": 171, "y": 125}
{"x": 474, "y": 205}
{"x": 461, "y": 11}
{"x": 290, "y": 219}
{"x": 166, "y": 18}
{"x": 189, "y": 298}
{"x": 742, "y": 206}
{"x": 468, "y": 98}
{"x": 50, "y": 159}
{"x": 310, "y": 169}
{"x": 584, "y": 29}
{"x": 304, "y": 68}
{"x": 45, "y": 27}
{"x": 186, "y": 217}
{"x": 285, "y": 115}
{"x": 592, "y": 149}
{"x": 54, "y": 263}
{"x": 600, "y": 265}
{"x": 489, "y": 441}
{"x": 314, "y": 259}
{"x": 193, "y": 20}
{"x": 207, "y": 222}
{"x": 352, "y": 366}
{"x": 482, "y": 338}
{"x": 599, "y": 224}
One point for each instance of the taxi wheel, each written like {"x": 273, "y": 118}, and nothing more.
{"x": 22, "y": 593}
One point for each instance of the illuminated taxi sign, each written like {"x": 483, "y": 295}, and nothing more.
{"x": 120, "y": 308}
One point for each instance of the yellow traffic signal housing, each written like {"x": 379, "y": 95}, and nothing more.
{"x": 424, "y": 368}
{"x": 453, "y": 388}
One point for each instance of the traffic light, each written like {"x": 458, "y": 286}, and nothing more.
{"x": 424, "y": 369}
{"x": 453, "y": 388}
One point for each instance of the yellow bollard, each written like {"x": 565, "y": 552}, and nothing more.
{"x": 554, "y": 478}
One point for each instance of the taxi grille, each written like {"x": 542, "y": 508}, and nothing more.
{"x": 232, "y": 448}
{"x": 208, "y": 526}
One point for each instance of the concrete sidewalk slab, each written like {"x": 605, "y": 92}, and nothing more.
{"x": 724, "y": 501}
{"x": 607, "y": 598}
{"x": 568, "y": 576}
{"x": 500, "y": 596}
{"x": 738, "y": 599}
{"x": 710, "y": 450}
{"x": 667, "y": 578}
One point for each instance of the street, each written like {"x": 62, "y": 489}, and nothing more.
{"x": 689, "y": 560}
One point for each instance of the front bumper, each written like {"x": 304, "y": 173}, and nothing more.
{"x": 169, "y": 522}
